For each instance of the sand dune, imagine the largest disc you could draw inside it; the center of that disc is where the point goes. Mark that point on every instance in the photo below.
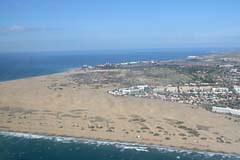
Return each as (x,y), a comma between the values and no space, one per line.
(54,104)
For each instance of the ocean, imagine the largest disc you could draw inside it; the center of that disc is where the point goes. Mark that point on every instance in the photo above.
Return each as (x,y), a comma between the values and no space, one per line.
(20,146)
(22,65)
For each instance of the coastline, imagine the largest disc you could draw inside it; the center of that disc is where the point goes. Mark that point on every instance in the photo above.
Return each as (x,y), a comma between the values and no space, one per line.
(69,68)
(59,104)
(141,147)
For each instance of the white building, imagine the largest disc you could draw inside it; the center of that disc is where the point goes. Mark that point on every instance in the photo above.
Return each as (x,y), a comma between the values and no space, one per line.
(220,90)
(172,89)
(133,90)
(195,89)
(124,91)
(226,110)
(138,89)
(133,62)
(237,89)
(159,89)
(143,87)
(226,66)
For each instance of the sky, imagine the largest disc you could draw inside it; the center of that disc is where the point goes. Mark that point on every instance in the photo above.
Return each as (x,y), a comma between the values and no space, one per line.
(52,25)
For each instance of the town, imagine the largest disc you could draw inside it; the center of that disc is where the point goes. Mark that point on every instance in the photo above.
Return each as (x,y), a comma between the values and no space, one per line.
(210,82)
(214,86)
(201,95)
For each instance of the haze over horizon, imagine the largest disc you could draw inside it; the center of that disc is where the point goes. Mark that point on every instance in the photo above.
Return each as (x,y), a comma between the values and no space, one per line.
(87,25)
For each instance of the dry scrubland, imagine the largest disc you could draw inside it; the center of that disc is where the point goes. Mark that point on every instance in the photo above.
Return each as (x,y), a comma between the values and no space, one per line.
(75,103)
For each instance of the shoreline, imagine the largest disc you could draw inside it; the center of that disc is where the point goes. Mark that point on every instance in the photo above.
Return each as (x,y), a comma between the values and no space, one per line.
(203,54)
(41,75)
(43,113)
(79,67)
(142,147)
(75,103)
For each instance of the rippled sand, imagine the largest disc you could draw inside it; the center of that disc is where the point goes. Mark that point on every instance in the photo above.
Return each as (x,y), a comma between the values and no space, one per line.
(55,105)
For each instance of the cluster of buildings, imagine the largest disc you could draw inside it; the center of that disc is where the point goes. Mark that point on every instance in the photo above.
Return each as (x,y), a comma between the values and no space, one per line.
(199,95)
(230,74)
(124,64)
(139,90)
(217,84)
(191,89)
(202,95)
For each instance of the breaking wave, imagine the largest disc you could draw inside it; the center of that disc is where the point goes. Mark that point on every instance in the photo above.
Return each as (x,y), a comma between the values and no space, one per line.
(123,146)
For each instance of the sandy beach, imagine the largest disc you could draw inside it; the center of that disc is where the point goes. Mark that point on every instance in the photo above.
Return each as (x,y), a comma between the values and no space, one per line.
(57,105)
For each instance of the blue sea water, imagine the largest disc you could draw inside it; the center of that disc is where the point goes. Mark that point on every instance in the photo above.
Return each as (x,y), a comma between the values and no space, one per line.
(21,65)
(18,146)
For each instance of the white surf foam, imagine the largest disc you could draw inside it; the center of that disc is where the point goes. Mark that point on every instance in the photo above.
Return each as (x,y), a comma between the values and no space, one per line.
(121,145)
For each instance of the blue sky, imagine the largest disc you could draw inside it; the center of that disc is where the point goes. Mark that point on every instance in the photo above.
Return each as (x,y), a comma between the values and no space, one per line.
(46,25)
